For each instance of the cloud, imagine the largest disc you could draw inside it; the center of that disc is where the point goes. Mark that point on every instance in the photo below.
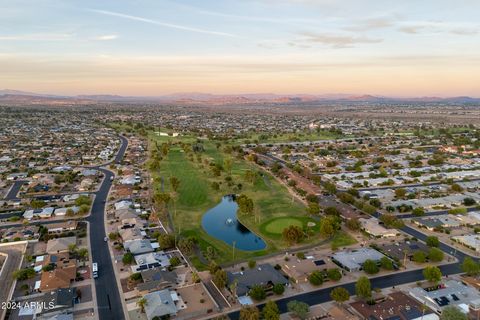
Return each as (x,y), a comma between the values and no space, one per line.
(106,37)
(372,23)
(433,27)
(332,40)
(37,37)
(163,24)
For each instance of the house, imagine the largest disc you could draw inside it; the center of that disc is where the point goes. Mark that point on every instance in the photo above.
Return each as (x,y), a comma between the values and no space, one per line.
(352,260)
(40,213)
(263,275)
(131,180)
(60,212)
(471,241)
(57,301)
(450,293)
(151,260)
(60,277)
(156,279)
(161,304)
(401,250)
(60,244)
(60,227)
(441,221)
(138,246)
(129,234)
(396,305)
(123,204)
(373,228)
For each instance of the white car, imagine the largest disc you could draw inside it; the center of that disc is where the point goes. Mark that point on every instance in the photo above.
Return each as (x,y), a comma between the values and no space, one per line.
(105,239)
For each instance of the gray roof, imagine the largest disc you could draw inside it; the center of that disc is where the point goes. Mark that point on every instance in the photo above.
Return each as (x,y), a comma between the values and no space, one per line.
(353,260)
(138,246)
(263,275)
(159,303)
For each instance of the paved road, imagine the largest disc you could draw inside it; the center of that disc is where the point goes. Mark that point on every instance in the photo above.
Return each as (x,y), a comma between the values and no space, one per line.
(12,193)
(12,263)
(430,214)
(108,297)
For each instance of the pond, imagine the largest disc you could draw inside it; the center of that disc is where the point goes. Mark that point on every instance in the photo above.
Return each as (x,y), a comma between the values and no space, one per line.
(221,222)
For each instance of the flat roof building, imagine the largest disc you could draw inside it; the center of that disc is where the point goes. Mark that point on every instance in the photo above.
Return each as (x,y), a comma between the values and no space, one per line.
(353,260)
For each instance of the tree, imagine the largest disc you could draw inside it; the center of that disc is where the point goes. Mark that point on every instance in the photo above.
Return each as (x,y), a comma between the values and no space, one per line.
(298,309)
(432,241)
(128,258)
(469,201)
(313,208)
(84,208)
(370,266)
(452,313)
(316,278)
(82,253)
(456,187)
(227,164)
(175,184)
(419,211)
(24,274)
(292,234)
(245,204)
(175,261)
(331,211)
(257,293)
(278,288)
(186,245)
(142,303)
(386,263)
(220,278)
(432,274)
(195,277)
(252,264)
(340,294)
(353,224)
(37,204)
(435,255)
(271,311)
(470,267)
(213,267)
(400,192)
(249,313)
(390,221)
(334,274)
(81,200)
(363,288)
(419,256)
(166,241)
(161,200)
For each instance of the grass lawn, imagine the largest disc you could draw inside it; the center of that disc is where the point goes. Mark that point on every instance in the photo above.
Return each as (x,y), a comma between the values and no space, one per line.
(342,239)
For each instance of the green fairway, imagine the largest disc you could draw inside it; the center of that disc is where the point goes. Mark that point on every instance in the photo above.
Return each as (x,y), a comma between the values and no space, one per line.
(275,226)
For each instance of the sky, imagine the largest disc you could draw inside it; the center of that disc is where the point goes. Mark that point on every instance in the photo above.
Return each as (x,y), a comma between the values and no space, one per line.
(156,47)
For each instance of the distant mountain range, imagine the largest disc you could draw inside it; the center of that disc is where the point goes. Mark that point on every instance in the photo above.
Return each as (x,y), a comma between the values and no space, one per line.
(17,97)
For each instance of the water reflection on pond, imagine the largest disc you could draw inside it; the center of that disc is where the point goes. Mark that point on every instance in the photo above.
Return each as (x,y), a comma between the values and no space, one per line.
(221,222)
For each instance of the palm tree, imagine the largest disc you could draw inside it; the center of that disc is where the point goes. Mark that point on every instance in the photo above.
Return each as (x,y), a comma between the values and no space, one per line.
(142,303)
(175,184)
(233,287)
